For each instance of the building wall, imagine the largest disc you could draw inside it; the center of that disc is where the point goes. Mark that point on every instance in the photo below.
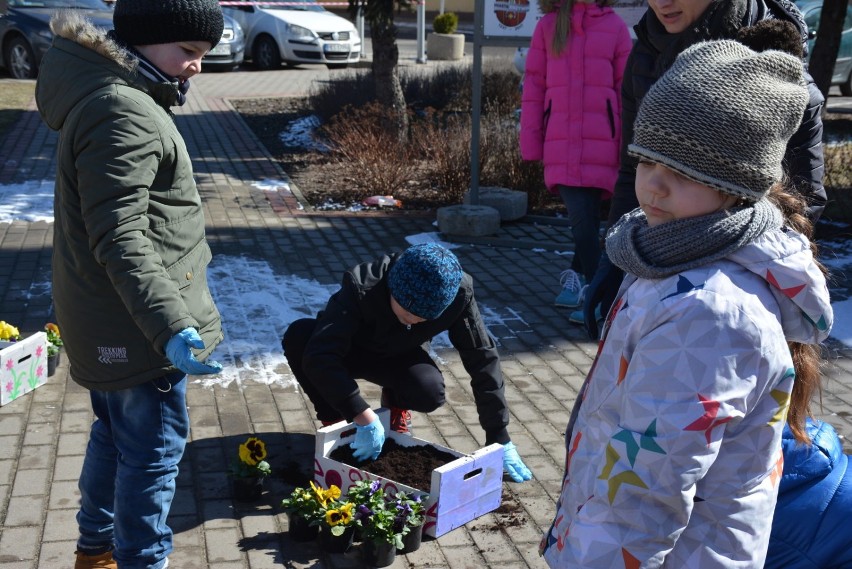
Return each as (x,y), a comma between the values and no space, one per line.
(630,10)
(457,6)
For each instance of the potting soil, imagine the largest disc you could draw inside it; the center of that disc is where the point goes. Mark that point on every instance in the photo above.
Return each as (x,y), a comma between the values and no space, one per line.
(411,466)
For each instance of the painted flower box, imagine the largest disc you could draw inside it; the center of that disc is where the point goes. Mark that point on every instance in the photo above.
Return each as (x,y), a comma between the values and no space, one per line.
(461,491)
(23,366)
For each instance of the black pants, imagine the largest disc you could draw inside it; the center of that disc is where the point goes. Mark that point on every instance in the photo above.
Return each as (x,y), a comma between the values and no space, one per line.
(410,380)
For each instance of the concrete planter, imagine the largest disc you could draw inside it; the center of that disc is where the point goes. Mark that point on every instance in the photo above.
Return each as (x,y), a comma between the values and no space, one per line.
(445,46)
(468,220)
(511,204)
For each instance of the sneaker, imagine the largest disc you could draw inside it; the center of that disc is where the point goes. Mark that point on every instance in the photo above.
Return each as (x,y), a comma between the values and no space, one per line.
(400,419)
(102,561)
(573,289)
(577,316)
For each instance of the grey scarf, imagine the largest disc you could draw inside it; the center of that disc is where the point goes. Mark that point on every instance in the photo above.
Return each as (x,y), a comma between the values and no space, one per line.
(676,246)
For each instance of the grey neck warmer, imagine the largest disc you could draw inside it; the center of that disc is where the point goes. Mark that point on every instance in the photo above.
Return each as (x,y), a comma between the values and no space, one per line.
(676,246)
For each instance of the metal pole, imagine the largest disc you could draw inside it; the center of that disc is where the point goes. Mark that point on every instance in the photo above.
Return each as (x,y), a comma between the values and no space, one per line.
(442,7)
(421,32)
(359,24)
(476,103)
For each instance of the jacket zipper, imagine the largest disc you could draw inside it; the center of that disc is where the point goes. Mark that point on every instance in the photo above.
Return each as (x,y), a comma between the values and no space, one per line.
(546,119)
(611,117)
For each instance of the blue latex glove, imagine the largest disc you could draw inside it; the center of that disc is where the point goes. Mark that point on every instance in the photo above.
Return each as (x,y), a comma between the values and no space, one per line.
(513,464)
(179,352)
(368,441)
(601,292)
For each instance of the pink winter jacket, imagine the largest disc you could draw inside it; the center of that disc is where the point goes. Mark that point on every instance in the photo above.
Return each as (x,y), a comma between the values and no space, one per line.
(571,103)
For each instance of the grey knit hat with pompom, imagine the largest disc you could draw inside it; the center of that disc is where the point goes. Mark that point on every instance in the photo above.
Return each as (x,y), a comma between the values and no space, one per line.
(722,116)
(149,22)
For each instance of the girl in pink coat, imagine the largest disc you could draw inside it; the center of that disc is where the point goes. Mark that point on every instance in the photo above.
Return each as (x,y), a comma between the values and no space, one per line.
(571,119)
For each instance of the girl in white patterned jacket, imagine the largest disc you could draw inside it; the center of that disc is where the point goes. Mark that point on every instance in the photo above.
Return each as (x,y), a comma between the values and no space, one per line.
(674,444)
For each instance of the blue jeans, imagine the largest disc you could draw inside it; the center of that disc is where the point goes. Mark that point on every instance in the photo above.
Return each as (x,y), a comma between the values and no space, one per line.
(584,216)
(128,478)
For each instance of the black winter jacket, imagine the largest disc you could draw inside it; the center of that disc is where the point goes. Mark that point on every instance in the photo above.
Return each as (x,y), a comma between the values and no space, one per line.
(656,50)
(359,317)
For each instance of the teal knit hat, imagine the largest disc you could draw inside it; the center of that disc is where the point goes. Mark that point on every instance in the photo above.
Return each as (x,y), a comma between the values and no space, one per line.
(425,279)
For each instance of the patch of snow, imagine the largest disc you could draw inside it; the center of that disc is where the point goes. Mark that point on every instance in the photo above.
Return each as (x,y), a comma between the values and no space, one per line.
(29,201)
(270,185)
(300,134)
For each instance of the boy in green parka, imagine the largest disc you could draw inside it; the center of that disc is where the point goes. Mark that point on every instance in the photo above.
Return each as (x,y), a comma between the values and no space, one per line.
(129,260)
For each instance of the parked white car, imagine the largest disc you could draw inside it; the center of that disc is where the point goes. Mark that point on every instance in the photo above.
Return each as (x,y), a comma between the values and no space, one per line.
(293,34)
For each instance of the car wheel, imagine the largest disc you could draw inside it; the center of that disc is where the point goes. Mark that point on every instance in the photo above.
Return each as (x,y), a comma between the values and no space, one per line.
(337,65)
(265,54)
(20,60)
(846,86)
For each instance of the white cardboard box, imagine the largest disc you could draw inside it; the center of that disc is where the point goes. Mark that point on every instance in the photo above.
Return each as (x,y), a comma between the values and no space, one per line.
(23,366)
(461,491)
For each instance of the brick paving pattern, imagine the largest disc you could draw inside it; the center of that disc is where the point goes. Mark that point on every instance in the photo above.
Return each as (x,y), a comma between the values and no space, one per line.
(43,434)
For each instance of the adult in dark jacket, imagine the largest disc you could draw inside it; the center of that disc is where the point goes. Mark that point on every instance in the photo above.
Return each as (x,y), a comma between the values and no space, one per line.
(378,327)
(666,29)
(129,261)
(810,529)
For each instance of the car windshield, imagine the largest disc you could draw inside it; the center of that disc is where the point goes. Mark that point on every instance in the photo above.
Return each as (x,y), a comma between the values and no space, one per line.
(310,5)
(54,4)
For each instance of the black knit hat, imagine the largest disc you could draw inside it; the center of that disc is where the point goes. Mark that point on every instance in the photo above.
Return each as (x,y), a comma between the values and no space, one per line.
(148,22)
(425,279)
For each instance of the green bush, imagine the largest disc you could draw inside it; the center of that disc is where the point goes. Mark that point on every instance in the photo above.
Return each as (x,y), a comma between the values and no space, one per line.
(446,23)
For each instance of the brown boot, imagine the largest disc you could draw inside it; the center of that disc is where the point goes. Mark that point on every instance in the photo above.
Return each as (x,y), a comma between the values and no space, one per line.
(102,561)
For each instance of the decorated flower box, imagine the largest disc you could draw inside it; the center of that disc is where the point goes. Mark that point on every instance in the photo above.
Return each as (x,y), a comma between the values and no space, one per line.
(23,366)
(460,491)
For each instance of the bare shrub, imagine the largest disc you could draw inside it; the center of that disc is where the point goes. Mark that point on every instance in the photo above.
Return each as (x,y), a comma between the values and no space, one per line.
(838,165)
(442,141)
(446,88)
(838,181)
(503,165)
(501,90)
(450,88)
(439,149)
(378,162)
(328,98)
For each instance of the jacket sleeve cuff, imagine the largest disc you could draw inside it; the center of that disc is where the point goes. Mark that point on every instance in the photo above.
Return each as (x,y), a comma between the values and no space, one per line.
(500,436)
(353,405)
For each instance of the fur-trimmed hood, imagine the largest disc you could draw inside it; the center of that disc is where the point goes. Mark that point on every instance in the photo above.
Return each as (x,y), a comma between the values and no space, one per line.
(84,60)
(74,26)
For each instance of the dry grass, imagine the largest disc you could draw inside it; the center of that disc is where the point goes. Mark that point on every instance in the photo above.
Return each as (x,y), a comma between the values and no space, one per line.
(15,97)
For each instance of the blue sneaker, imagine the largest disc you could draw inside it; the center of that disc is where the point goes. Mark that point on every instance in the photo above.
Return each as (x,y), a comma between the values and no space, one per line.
(577,317)
(573,287)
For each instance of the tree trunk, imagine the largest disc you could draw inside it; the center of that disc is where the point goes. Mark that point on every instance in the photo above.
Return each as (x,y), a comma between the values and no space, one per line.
(827,43)
(386,77)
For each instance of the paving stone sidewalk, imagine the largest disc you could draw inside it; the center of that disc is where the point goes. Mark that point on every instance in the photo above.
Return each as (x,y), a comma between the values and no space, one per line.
(43,434)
